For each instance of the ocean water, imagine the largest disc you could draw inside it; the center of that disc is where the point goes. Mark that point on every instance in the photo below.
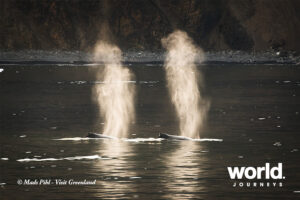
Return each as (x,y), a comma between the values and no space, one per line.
(48,109)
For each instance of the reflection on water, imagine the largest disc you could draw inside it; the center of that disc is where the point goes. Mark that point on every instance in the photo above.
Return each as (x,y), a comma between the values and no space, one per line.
(46,112)
(117,171)
(183,171)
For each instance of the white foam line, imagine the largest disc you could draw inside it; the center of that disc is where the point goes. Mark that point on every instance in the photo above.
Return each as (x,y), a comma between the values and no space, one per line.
(74,138)
(84,138)
(160,139)
(297,191)
(90,64)
(135,177)
(57,159)
(138,139)
(114,82)
(142,139)
(66,64)
(208,140)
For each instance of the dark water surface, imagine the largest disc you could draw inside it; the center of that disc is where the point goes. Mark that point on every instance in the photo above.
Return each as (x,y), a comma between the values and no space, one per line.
(255,109)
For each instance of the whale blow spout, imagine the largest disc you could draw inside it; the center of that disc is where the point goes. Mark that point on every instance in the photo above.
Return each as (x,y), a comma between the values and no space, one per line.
(184,79)
(173,137)
(115,96)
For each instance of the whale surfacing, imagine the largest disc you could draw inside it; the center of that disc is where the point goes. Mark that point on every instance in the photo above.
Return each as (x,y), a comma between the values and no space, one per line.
(173,137)
(99,136)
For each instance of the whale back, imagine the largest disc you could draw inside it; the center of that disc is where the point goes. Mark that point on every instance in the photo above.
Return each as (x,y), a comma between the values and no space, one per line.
(96,135)
(163,135)
(173,137)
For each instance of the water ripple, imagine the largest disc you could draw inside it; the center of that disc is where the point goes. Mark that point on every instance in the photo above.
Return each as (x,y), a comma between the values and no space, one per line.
(93,157)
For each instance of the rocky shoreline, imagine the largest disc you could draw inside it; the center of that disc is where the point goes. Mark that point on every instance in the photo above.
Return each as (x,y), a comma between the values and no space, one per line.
(82,58)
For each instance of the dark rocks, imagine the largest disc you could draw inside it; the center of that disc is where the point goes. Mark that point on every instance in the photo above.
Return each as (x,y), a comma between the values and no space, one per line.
(248,25)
